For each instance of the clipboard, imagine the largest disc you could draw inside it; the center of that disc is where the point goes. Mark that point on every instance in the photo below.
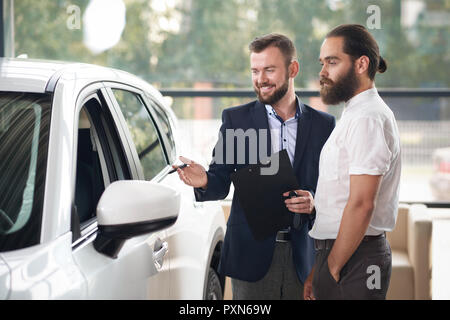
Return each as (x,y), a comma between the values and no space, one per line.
(261,195)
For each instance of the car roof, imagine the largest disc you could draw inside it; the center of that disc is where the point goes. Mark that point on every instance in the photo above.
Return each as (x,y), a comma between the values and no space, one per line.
(32,75)
(27,75)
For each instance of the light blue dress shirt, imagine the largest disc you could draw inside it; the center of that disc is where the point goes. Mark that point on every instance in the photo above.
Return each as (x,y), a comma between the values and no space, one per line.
(283,133)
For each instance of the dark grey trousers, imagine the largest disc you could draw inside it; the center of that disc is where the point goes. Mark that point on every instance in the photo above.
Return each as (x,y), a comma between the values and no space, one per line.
(280,282)
(365,276)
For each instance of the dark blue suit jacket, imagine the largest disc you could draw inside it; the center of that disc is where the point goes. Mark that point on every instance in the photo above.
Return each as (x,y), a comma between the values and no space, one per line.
(243,257)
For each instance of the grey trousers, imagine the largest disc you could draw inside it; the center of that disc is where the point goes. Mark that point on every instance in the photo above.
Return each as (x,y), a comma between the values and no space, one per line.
(365,276)
(280,282)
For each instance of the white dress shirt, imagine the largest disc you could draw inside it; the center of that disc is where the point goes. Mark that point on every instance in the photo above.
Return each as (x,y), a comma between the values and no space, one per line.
(365,142)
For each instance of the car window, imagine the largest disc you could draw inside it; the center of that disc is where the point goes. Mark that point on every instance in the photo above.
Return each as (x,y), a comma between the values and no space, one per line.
(89,183)
(143,132)
(165,128)
(100,157)
(24,130)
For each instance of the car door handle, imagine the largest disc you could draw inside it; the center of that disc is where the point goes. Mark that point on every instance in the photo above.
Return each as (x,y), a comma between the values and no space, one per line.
(161,248)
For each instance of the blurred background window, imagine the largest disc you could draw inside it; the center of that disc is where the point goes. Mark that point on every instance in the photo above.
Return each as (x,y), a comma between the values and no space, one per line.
(203,45)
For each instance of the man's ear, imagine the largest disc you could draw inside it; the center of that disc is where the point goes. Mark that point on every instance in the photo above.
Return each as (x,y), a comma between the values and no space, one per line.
(293,69)
(362,64)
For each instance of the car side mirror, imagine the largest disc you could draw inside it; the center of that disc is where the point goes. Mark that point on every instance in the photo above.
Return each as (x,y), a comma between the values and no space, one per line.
(130,208)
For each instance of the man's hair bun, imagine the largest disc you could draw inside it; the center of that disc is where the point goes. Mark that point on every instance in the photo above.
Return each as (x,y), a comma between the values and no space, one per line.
(382,65)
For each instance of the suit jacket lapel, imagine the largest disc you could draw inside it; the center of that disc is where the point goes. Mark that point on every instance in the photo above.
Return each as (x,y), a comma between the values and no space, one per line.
(303,130)
(260,120)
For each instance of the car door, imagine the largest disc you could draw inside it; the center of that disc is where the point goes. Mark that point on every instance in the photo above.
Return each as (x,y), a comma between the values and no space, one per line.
(150,159)
(104,156)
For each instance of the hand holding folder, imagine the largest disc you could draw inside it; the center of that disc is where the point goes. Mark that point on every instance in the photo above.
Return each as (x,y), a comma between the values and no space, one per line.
(261,195)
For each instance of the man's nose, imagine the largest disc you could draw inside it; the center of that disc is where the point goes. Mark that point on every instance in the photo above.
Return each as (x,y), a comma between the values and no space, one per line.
(262,78)
(323,72)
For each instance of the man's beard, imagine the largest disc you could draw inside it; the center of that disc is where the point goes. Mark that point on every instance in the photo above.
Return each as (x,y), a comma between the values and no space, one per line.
(276,96)
(340,91)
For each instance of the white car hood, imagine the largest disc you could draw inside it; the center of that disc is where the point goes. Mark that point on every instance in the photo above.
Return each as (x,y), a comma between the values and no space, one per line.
(5,279)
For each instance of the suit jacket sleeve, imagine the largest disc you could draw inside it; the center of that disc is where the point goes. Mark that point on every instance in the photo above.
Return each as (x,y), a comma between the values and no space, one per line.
(219,180)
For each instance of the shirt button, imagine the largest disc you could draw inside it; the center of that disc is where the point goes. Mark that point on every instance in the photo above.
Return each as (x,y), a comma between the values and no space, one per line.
(284,139)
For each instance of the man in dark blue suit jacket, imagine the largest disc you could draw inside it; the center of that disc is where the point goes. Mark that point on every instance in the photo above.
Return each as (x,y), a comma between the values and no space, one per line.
(259,269)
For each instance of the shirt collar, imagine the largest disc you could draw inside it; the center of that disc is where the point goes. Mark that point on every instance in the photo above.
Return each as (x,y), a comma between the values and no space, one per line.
(360,97)
(271,111)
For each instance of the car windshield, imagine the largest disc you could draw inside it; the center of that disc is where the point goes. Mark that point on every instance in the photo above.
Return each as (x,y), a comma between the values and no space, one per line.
(24,128)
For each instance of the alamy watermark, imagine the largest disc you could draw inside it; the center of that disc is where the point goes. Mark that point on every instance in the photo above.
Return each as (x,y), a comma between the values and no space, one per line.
(73,22)
(374,20)
(246,147)
(374,280)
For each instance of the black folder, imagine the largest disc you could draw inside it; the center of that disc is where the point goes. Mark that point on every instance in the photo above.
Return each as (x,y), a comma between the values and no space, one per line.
(261,195)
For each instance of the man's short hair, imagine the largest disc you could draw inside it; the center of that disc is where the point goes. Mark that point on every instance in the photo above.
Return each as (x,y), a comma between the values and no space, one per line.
(279,41)
(359,42)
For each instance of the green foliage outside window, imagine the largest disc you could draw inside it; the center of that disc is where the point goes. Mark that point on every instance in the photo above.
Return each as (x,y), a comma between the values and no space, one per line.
(210,38)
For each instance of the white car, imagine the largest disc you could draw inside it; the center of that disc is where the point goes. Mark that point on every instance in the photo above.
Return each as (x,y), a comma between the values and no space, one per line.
(87,207)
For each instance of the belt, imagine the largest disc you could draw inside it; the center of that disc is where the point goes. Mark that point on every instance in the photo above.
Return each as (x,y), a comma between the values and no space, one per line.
(327,244)
(283,236)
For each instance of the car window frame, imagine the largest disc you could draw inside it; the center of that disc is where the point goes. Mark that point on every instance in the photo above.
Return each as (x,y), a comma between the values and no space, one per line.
(89,229)
(109,86)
